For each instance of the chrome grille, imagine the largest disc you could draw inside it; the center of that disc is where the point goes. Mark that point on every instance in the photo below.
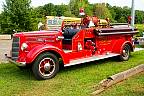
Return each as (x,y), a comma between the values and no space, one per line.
(15,48)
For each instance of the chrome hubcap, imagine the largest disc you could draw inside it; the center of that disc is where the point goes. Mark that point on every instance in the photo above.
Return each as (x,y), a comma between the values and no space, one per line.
(47,67)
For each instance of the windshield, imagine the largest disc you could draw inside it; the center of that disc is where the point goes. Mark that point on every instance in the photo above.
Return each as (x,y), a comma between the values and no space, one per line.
(54,23)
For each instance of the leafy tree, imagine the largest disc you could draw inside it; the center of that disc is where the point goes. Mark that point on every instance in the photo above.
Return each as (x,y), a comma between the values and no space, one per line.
(101,11)
(75,5)
(122,20)
(5,24)
(89,9)
(125,13)
(39,11)
(139,17)
(17,15)
(49,9)
(113,13)
(62,10)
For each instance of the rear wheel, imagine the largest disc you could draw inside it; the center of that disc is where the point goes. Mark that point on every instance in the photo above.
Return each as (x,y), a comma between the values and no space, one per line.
(45,66)
(125,54)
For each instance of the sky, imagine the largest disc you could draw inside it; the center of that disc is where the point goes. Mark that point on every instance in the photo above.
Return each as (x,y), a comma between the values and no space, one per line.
(139,4)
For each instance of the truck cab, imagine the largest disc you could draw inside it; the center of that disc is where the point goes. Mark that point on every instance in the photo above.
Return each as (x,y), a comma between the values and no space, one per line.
(69,41)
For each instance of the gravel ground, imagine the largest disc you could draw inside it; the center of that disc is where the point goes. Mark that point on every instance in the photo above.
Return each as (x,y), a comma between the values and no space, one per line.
(5,47)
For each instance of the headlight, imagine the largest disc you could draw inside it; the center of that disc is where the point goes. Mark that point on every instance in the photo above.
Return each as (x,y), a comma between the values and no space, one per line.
(24,46)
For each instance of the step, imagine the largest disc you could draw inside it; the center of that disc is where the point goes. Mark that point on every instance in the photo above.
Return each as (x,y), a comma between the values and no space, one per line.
(67,51)
(89,59)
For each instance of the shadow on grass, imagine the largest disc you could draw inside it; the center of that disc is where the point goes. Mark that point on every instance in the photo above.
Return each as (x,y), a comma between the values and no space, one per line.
(90,64)
(10,71)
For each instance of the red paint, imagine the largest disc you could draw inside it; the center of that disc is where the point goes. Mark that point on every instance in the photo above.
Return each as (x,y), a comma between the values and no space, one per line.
(85,43)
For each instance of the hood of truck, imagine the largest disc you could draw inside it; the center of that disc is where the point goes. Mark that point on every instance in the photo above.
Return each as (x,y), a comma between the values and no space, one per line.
(37,33)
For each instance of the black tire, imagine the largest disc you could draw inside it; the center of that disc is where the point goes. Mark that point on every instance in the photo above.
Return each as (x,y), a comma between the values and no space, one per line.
(125,54)
(45,66)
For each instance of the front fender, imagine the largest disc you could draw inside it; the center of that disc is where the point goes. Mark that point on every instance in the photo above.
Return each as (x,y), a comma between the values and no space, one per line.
(32,55)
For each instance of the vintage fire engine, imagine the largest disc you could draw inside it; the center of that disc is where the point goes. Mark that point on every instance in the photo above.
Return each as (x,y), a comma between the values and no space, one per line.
(70,41)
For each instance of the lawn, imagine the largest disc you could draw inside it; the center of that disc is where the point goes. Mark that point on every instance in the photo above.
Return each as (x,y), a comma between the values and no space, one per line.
(140,28)
(77,80)
(134,86)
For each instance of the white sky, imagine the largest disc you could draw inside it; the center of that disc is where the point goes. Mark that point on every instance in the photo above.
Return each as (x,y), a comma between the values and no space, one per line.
(139,4)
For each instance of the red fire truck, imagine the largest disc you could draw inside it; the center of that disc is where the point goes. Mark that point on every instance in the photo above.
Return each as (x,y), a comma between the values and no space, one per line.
(71,43)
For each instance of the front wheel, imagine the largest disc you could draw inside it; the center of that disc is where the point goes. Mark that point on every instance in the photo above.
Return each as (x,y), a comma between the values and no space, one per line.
(45,66)
(125,54)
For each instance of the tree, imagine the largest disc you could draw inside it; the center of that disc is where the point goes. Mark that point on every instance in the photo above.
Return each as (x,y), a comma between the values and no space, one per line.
(17,15)
(49,9)
(62,10)
(5,23)
(101,11)
(122,20)
(39,11)
(89,9)
(139,17)
(75,5)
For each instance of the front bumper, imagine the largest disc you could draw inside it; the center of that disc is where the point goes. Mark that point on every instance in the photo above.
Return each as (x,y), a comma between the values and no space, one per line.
(14,62)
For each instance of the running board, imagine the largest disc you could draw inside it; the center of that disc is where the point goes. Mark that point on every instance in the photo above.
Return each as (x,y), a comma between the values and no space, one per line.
(67,51)
(89,59)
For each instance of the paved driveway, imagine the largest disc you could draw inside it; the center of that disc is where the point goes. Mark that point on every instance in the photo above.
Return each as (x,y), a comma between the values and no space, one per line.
(138,49)
(5,47)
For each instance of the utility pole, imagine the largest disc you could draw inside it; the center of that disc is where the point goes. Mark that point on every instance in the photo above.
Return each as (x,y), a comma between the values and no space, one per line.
(133,13)
(105,2)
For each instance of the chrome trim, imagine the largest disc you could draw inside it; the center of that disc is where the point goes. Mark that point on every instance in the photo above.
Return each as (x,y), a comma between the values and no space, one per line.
(89,59)
(60,38)
(116,33)
(22,64)
(15,48)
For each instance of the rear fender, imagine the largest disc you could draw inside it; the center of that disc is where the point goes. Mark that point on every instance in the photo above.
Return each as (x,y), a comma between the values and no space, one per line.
(32,55)
(119,46)
(130,44)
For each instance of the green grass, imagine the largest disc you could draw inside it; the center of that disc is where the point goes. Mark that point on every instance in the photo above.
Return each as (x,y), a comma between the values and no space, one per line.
(77,80)
(140,28)
(134,86)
